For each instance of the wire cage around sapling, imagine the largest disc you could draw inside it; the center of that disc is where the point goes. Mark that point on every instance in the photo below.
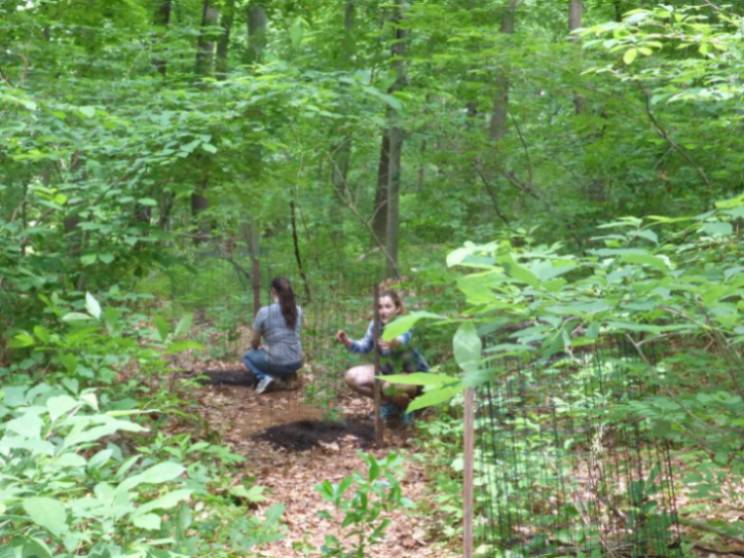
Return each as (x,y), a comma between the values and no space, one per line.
(566,469)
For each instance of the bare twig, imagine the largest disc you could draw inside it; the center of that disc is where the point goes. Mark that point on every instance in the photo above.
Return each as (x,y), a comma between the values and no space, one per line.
(665,134)
(345,197)
(524,148)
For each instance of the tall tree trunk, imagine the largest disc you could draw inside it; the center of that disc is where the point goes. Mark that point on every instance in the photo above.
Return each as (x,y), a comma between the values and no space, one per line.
(379,214)
(341,147)
(203,68)
(162,19)
(497,125)
(395,134)
(256,25)
(205,44)
(575,15)
(257,22)
(223,44)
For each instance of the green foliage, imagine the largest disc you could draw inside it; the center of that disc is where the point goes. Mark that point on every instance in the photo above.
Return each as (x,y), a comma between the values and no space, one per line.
(360,502)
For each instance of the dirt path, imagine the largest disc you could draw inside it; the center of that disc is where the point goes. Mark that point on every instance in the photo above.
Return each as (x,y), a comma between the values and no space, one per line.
(238,414)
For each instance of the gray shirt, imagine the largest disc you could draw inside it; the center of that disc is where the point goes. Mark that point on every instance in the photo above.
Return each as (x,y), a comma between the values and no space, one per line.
(283,343)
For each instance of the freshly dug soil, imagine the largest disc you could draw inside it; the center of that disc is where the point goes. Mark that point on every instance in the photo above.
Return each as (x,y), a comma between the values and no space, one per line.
(229,377)
(303,435)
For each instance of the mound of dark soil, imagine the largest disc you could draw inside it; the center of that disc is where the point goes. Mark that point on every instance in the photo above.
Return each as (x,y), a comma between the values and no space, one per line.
(235,377)
(303,435)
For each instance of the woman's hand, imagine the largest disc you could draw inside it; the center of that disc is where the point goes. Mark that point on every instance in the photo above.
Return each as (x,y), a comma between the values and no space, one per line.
(343,338)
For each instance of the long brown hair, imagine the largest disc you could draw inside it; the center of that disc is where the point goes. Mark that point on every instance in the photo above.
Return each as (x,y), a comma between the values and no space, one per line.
(283,290)
(395,297)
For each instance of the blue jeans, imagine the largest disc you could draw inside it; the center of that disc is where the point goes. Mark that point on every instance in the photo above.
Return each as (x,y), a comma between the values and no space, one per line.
(257,361)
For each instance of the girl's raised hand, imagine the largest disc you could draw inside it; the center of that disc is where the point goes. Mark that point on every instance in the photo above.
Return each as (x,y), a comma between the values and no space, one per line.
(343,338)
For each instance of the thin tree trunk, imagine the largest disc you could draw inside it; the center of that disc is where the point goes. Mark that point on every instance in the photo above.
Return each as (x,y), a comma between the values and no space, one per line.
(257,22)
(203,68)
(341,149)
(256,25)
(205,44)
(162,19)
(223,44)
(497,125)
(392,231)
(575,15)
(379,215)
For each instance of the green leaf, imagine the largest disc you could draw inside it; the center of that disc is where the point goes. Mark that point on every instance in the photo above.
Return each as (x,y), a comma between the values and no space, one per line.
(88,259)
(60,405)
(717,228)
(75,317)
(647,259)
(28,425)
(162,326)
(404,323)
(254,494)
(157,474)
(434,397)
(467,347)
(47,513)
(184,325)
(148,521)
(92,306)
(419,379)
(629,56)
(22,340)
(296,32)
(167,501)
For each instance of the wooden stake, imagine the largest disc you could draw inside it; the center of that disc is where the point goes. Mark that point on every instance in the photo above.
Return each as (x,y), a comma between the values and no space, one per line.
(468,450)
(377,385)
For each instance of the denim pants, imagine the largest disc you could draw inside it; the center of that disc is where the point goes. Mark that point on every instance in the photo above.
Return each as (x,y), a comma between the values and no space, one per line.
(257,361)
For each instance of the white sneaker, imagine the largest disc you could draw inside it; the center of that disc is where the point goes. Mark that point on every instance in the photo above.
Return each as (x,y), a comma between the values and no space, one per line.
(263,384)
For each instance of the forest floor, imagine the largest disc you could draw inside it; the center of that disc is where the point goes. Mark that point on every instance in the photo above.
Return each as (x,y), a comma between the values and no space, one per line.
(289,449)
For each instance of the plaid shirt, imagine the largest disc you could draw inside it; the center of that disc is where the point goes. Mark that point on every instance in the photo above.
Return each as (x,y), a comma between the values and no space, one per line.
(402,358)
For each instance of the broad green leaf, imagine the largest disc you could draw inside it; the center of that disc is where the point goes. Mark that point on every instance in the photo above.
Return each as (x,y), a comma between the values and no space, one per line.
(22,340)
(648,234)
(81,435)
(92,306)
(166,502)
(522,274)
(717,228)
(60,405)
(647,259)
(149,521)
(88,259)
(157,474)
(404,323)
(28,424)
(467,347)
(47,513)
(434,397)
(629,56)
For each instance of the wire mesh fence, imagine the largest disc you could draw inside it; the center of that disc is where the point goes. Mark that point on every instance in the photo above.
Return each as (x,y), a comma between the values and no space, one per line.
(565,467)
